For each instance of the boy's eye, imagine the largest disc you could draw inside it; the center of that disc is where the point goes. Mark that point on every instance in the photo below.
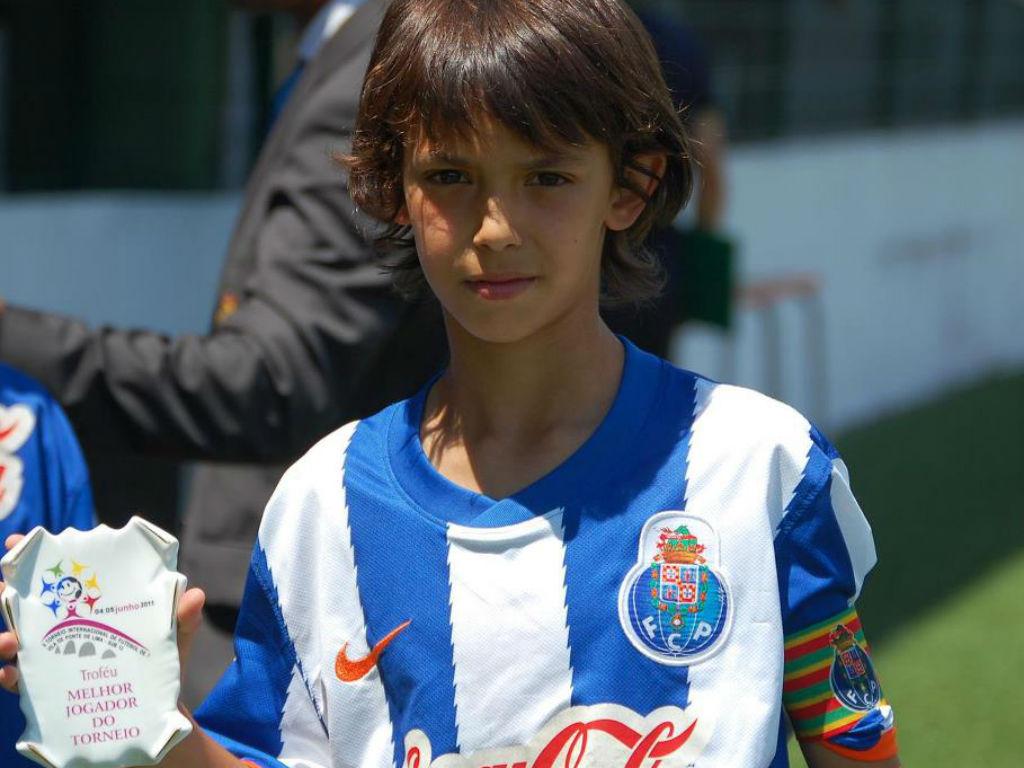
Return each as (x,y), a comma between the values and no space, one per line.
(448,177)
(548,179)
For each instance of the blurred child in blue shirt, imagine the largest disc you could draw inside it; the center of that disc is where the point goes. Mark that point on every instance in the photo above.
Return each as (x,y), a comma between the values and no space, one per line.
(43,481)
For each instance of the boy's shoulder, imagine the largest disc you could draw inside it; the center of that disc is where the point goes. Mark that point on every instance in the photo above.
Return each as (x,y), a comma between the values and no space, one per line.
(740,433)
(742,415)
(748,415)
(26,408)
(735,428)
(330,460)
(320,483)
(17,388)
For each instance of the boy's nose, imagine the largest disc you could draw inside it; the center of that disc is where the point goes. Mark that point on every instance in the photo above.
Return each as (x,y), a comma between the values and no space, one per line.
(496,231)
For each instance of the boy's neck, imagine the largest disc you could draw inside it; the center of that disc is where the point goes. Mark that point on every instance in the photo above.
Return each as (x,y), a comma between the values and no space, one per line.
(505,415)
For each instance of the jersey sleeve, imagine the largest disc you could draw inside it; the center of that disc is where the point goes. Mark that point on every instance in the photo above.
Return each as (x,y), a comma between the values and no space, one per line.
(261,710)
(824,550)
(43,476)
(75,508)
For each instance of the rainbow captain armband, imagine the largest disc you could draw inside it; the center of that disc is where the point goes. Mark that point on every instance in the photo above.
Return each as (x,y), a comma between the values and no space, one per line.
(832,693)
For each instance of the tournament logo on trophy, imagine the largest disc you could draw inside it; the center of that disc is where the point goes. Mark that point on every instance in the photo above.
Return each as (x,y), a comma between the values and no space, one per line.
(674,605)
(72,595)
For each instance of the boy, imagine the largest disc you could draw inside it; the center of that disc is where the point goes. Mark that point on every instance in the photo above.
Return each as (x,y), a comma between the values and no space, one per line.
(43,481)
(563,551)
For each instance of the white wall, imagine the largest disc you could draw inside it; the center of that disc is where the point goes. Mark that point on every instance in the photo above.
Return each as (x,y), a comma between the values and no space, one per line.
(125,259)
(918,241)
(916,238)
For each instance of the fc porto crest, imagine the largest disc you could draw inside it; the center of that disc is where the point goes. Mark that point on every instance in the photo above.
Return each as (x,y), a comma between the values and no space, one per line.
(674,605)
(852,677)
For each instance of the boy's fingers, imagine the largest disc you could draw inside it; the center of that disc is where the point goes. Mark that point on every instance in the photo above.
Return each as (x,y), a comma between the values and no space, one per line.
(8,647)
(9,678)
(12,541)
(190,616)
(8,650)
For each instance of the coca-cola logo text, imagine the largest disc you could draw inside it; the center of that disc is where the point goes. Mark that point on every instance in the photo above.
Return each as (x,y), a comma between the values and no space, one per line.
(582,737)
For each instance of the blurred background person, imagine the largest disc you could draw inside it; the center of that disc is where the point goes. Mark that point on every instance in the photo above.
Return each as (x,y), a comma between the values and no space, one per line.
(696,258)
(306,335)
(874,163)
(43,481)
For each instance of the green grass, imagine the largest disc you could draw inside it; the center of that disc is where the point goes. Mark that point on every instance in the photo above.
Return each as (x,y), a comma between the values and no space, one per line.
(942,486)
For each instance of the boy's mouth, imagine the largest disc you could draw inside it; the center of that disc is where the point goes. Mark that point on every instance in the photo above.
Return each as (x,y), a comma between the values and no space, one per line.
(499,286)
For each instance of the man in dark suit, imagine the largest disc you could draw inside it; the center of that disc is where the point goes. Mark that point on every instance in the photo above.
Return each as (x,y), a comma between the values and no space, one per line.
(307,335)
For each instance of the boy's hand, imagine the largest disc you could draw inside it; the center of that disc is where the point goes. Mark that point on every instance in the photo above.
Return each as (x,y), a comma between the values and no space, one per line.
(8,643)
(198,750)
(190,616)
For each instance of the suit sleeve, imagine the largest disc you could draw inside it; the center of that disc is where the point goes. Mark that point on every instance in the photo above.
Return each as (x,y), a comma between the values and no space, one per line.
(265,383)
(297,354)
(261,710)
(824,550)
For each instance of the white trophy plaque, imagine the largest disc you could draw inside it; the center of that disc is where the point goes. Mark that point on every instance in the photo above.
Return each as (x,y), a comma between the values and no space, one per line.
(95,617)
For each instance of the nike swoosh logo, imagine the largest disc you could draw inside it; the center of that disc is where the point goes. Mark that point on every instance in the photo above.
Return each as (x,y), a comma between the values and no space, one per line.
(348,670)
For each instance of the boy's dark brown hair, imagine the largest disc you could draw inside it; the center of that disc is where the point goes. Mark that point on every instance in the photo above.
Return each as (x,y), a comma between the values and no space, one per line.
(552,71)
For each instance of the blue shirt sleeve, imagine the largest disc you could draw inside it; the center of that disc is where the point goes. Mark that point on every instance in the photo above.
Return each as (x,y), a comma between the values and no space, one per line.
(824,550)
(44,473)
(76,509)
(244,712)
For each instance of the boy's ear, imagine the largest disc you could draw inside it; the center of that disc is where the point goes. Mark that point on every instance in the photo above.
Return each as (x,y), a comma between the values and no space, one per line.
(402,217)
(627,205)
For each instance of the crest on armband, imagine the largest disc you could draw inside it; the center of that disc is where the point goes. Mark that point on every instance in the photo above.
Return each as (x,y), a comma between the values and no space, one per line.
(852,676)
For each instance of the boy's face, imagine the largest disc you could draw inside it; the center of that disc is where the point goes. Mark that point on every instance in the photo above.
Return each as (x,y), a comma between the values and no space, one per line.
(510,236)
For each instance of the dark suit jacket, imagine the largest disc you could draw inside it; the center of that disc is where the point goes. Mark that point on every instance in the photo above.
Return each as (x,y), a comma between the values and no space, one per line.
(309,334)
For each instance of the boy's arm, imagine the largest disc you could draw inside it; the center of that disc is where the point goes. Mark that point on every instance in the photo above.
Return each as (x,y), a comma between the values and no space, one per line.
(262,710)
(824,550)
(199,750)
(818,756)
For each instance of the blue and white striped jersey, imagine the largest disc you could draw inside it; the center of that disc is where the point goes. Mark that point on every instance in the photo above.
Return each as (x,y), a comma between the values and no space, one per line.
(627,609)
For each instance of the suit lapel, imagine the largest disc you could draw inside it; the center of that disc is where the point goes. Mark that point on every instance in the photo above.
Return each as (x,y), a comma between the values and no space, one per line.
(354,36)
(350,40)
